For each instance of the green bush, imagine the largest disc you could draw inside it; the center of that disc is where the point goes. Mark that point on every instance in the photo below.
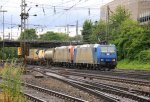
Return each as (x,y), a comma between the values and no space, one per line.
(11,85)
(144,56)
(135,65)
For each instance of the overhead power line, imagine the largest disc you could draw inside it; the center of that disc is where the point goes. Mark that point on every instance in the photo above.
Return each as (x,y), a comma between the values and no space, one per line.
(58,10)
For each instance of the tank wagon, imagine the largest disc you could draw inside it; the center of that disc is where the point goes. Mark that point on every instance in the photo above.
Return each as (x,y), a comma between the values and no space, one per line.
(41,58)
(89,56)
(49,55)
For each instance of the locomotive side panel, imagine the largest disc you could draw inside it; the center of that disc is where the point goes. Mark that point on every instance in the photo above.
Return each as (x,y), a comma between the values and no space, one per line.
(84,54)
(61,54)
(96,52)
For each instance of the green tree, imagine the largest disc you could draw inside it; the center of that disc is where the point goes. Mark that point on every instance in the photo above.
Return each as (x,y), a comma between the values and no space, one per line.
(76,38)
(121,14)
(48,36)
(98,32)
(131,38)
(28,34)
(116,19)
(120,29)
(128,38)
(87,31)
(9,53)
(141,43)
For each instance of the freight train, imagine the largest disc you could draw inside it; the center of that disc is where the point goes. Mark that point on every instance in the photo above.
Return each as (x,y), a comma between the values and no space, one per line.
(88,56)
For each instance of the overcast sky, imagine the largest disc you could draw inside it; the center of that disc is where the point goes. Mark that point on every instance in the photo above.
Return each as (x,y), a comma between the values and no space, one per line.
(51,14)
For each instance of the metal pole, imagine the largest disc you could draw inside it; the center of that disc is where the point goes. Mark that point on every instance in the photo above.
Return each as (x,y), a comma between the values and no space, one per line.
(11,28)
(107,24)
(67,29)
(27,22)
(24,16)
(3,34)
(77,28)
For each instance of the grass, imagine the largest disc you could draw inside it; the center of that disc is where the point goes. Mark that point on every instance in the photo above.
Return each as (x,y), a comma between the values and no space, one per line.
(135,65)
(11,89)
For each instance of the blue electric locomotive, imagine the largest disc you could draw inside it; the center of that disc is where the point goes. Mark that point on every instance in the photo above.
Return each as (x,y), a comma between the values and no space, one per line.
(108,56)
(95,56)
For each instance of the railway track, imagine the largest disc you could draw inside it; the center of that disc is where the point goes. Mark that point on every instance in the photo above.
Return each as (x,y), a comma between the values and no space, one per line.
(125,74)
(53,93)
(103,76)
(131,81)
(129,74)
(144,75)
(103,95)
(92,91)
(33,98)
(138,92)
(115,90)
(109,78)
(111,90)
(136,95)
(105,90)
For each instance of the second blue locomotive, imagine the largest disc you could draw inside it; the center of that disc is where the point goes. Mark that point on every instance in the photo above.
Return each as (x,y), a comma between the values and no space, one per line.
(95,56)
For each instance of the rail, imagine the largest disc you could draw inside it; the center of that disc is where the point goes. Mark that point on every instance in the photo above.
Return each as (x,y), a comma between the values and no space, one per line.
(33,98)
(111,78)
(54,93)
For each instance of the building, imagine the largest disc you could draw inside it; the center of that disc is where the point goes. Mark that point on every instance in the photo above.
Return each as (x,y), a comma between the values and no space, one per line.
(139,9)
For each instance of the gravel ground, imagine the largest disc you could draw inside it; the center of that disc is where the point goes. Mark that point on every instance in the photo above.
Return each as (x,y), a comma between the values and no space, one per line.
(59,86)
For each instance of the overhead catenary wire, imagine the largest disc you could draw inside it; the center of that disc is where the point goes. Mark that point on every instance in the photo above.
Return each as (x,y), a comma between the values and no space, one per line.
(61,14)
(59,10)
(60,3)
(56,7)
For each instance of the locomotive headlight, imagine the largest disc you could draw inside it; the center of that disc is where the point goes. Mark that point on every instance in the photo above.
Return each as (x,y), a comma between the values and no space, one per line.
(114,60)
(108,54)
(102,59)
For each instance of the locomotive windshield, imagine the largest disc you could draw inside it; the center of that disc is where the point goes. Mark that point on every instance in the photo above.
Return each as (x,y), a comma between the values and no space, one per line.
(108,49)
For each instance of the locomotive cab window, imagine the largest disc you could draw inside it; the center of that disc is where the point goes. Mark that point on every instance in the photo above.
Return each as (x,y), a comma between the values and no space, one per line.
(95,49)
(108,49)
